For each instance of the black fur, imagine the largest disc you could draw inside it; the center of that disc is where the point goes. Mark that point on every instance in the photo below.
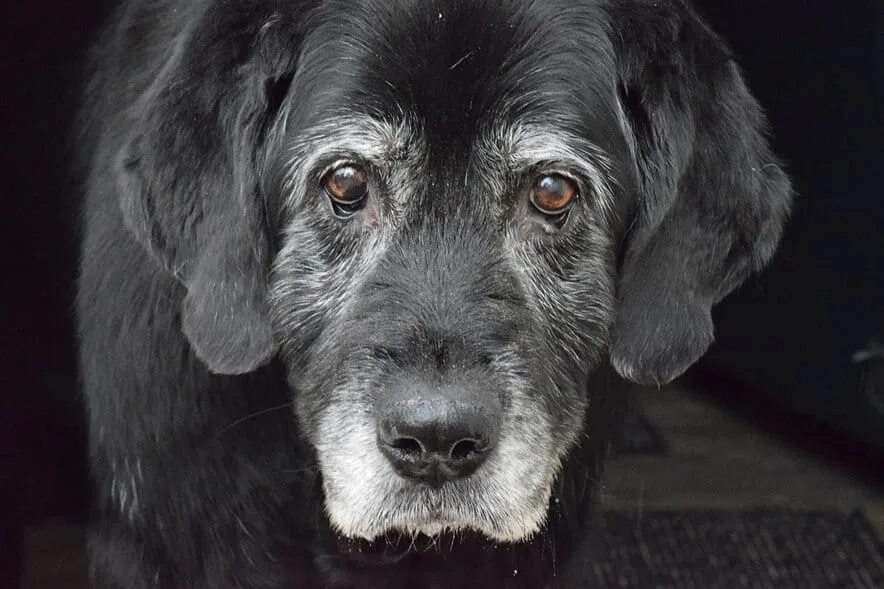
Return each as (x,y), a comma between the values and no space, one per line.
(189,281)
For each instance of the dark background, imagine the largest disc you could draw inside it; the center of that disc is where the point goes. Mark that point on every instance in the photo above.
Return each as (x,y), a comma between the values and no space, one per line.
(786,338)
(818,68)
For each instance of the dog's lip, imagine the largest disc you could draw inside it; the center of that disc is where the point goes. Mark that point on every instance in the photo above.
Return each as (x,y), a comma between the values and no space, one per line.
(400,536)
(394,546)
(396,543)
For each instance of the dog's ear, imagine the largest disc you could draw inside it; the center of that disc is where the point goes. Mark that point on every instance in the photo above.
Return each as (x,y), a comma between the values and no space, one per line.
(712,197)
(189,179)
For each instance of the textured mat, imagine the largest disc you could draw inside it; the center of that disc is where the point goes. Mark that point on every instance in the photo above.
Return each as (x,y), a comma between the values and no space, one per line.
(735,549)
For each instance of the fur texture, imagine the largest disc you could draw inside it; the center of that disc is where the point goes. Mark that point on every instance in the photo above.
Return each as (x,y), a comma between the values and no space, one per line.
(237,336)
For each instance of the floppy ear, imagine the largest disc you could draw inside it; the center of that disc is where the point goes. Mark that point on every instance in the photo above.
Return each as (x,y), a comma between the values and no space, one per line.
(712,197)
(188,176)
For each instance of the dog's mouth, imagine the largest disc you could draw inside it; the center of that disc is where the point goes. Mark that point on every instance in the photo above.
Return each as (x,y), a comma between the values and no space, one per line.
(428,537)
(394,546)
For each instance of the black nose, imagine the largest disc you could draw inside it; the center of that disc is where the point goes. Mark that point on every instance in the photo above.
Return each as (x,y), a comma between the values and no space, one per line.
(437,438)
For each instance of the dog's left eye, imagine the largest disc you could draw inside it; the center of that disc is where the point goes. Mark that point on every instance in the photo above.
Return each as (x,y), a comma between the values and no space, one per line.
(346,187)
(553,194)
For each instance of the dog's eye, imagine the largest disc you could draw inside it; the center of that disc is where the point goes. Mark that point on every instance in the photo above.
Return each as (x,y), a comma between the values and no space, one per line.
(553,194)
(347,187)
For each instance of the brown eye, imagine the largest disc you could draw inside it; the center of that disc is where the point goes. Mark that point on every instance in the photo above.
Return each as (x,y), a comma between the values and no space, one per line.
(552,194)
(347,187)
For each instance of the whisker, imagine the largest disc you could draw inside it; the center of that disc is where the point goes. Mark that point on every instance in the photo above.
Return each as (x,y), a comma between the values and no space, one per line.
(253,415)
(432,544)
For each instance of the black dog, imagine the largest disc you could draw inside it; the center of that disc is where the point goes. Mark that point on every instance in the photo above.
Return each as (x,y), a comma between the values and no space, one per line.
(354,272)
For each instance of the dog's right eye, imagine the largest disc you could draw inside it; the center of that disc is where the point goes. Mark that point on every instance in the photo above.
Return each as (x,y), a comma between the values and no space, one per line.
(553,194)
(346,187)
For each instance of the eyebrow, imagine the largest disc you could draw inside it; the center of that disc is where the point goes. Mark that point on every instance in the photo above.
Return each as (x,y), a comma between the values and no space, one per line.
(368,137)
(522,146)
(345,136)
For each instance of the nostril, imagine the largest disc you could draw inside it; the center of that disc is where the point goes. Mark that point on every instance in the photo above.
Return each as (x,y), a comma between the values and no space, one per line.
(436,436)
(465,449)
(408,447)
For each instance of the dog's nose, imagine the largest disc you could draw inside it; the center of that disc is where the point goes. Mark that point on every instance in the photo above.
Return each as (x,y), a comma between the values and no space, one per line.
(435,439)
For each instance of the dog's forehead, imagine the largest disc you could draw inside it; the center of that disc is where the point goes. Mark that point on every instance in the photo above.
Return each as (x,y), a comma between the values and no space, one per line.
(456,66)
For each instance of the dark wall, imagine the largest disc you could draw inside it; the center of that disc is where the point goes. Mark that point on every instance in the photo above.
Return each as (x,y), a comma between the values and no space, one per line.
(818,68)
(41,441)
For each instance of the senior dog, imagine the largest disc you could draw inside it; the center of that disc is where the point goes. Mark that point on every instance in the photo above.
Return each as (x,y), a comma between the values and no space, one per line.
(357,277)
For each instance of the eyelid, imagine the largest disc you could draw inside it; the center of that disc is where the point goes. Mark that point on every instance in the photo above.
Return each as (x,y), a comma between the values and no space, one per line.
(338,163)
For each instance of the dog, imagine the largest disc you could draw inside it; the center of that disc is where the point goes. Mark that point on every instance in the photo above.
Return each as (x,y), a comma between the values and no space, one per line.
(359,278)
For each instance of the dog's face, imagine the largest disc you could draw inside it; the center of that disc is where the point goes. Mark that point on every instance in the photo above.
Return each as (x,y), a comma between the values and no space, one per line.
(472,262)
(445,216)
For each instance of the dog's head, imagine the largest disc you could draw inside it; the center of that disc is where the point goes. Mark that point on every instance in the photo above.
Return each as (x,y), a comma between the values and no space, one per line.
(444,216)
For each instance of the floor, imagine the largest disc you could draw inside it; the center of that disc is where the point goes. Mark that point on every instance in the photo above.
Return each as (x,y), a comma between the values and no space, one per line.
(716,458)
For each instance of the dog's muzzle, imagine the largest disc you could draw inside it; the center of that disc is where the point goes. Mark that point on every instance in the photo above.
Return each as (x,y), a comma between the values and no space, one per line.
(433,433)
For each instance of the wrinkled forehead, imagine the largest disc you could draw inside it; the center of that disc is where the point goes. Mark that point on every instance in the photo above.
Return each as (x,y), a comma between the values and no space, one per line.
(452,74)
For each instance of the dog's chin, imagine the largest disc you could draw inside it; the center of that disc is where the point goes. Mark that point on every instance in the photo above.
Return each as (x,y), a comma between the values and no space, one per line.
(432,529)
(442,537)
(494,507)
(446,526)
